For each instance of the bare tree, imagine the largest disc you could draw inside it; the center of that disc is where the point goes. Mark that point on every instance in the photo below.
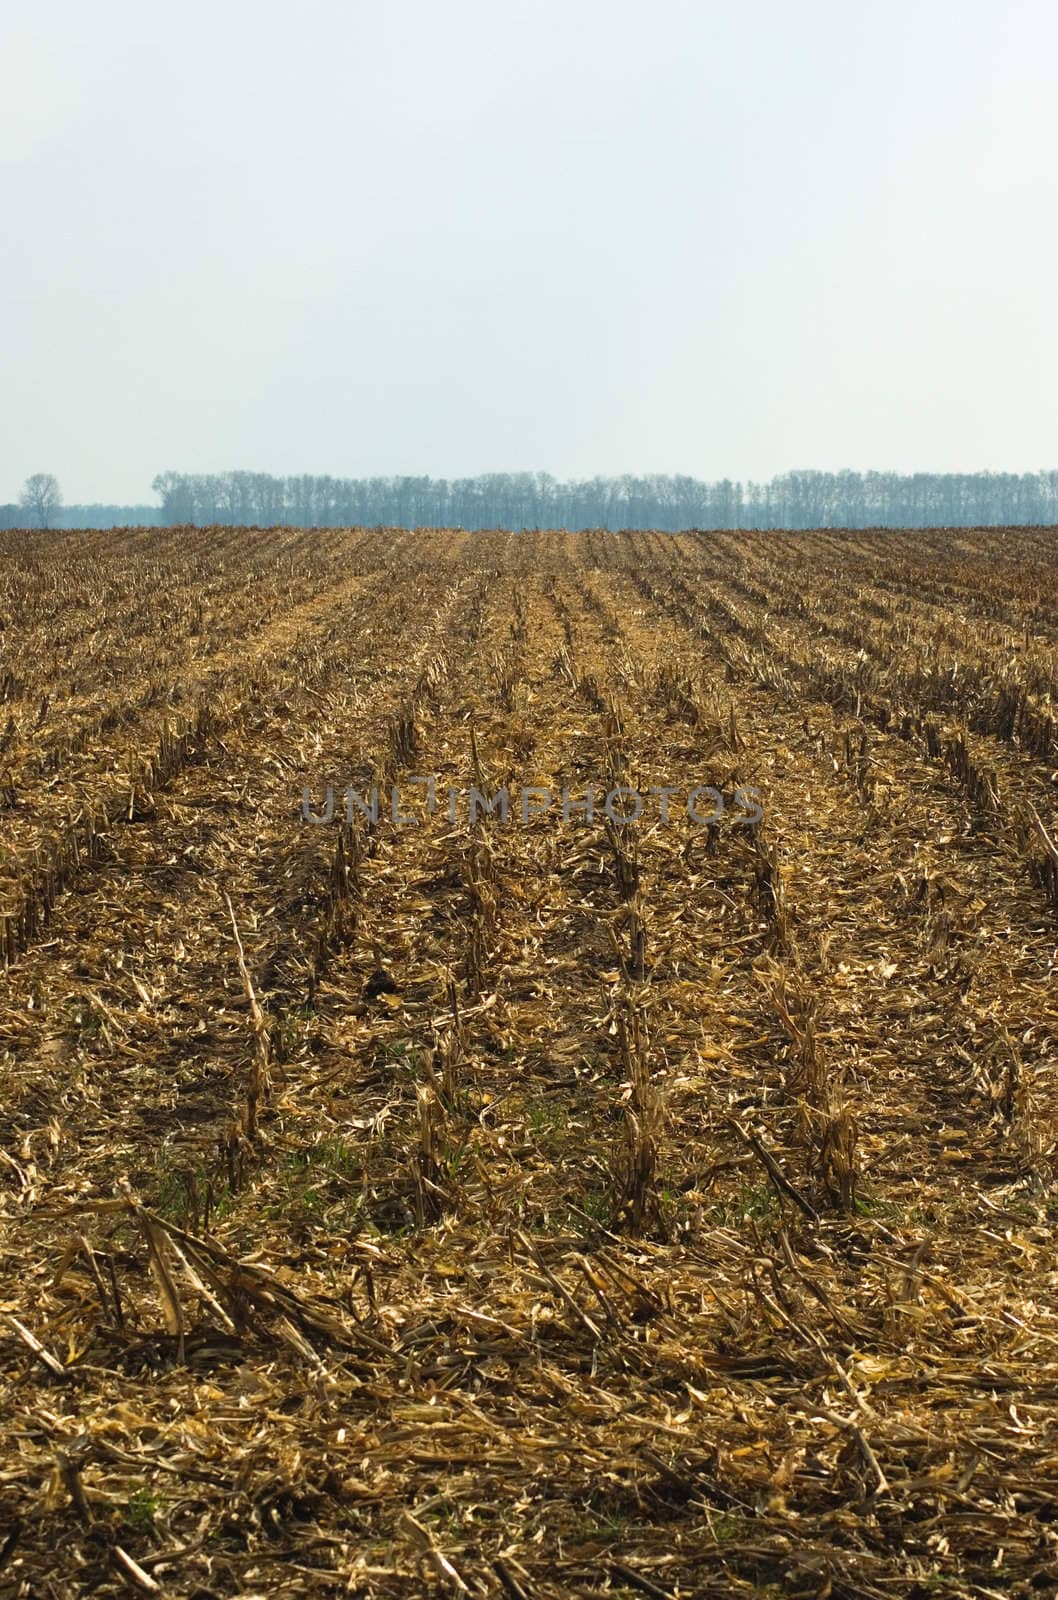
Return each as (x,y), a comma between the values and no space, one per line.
(42,497)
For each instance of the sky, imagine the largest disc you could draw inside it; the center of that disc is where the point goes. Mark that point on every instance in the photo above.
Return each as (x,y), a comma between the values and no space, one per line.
(574,236)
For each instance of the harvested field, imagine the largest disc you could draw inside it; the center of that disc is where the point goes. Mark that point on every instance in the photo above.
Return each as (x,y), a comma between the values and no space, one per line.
(550,1205)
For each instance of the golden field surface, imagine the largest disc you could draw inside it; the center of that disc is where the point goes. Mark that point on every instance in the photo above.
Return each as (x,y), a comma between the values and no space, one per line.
(549,1206)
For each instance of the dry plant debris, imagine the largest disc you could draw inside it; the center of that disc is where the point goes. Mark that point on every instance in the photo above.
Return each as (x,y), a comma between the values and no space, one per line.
(536,1207)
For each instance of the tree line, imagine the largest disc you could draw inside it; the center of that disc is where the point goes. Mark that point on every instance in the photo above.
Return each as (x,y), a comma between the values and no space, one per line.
(82,516)
(536,500)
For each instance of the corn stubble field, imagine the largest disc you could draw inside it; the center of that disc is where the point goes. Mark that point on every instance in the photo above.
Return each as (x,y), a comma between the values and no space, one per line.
(534,1210)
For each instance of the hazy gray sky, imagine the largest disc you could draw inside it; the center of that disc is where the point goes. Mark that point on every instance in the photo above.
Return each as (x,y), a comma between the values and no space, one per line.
(453,236)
